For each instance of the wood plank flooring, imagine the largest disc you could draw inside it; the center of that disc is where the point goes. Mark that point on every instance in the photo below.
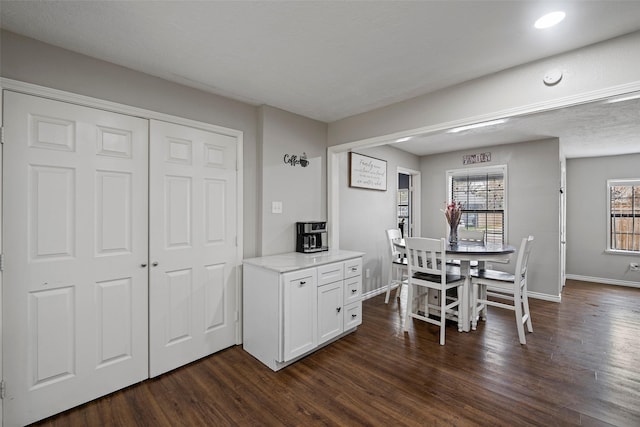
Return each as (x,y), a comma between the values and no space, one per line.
(581,366)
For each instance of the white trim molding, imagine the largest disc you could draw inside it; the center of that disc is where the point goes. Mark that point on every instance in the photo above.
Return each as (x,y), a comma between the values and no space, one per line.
(627,283)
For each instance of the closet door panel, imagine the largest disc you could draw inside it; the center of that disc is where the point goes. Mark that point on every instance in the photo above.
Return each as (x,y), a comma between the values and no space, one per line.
(75,220)
(192,244)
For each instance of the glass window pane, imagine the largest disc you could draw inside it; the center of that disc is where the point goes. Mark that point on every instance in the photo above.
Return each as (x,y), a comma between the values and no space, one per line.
(624,224)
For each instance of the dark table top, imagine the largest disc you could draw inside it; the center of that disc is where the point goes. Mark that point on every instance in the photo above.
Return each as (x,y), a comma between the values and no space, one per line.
(484,249)
(474,248)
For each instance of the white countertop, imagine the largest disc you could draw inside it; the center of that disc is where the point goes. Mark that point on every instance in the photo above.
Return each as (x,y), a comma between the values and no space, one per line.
(292,261)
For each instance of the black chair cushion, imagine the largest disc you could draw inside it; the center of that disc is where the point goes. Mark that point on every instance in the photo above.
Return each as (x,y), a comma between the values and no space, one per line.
(435,277)
(492,275)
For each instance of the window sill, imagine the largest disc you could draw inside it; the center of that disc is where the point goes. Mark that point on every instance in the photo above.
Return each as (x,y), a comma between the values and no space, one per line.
(621,252)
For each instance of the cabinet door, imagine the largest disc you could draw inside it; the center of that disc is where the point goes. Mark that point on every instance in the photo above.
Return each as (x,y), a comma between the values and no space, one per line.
(299,313)
(329,311)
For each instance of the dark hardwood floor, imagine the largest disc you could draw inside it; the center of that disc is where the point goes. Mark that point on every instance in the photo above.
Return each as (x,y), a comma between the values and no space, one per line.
(581,366)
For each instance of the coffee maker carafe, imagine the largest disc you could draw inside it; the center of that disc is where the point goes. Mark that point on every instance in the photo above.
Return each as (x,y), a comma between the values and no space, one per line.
(310,236)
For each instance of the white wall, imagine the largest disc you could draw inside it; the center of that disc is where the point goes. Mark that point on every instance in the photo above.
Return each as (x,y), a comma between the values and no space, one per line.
(605,65)
(366,214)
(533,202)
(35,62)
(302,190)
(587,219)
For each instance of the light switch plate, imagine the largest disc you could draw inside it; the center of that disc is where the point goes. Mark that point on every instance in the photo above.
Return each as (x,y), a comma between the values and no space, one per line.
(276,207)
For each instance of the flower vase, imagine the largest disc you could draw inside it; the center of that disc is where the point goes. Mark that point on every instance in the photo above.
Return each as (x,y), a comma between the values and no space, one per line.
(453,235)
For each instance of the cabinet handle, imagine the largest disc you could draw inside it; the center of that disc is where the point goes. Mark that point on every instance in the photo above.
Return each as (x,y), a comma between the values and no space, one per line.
(143,265)
(354,268)
(302,283)
(353,291)
(353,316)
(338,309)
(155,263)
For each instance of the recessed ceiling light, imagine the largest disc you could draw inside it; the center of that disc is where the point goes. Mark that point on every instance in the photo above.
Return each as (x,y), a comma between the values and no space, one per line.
(405,139)
(477,125)
(550,19)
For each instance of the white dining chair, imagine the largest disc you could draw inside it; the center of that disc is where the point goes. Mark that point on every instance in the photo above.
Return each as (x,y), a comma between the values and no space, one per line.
(398,267)
(491,285)
(428,270)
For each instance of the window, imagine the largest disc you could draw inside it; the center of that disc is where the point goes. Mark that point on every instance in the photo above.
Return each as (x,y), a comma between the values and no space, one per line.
(482,193)
(624,215)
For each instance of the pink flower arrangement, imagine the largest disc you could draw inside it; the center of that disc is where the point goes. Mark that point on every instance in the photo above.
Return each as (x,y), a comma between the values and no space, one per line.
(453,213)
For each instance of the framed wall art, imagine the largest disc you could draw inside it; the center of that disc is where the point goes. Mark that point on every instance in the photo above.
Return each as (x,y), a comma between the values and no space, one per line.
(367,172)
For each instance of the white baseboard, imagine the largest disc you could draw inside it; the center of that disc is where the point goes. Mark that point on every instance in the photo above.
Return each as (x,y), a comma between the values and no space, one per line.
(545,297)
(603,280)
(374,293)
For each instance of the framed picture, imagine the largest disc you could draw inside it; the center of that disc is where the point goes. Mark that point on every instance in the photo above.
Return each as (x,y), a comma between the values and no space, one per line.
(367,172)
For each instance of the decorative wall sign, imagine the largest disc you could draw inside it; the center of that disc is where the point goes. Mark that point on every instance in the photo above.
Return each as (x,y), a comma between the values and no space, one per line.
(367,172)
(293,159)
(470,159)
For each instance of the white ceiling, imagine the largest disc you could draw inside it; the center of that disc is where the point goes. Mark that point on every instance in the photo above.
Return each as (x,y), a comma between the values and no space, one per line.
(589,130)
(323,59)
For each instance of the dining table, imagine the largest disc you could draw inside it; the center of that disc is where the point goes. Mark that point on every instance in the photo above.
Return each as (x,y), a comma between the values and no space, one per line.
(465,252)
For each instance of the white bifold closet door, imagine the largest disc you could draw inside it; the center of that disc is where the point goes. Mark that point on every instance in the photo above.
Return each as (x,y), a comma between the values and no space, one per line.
(75,296)
(192,223)
(120,251)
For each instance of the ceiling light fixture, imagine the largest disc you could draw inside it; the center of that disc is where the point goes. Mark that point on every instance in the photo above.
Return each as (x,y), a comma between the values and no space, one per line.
(477,125)
(549,20)
(405,139)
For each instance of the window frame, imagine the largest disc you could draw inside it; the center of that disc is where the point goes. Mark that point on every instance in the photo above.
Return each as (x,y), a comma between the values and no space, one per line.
(612,183)
(484,170)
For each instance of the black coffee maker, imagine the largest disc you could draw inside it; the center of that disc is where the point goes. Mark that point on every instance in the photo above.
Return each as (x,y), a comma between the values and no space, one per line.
(311,236)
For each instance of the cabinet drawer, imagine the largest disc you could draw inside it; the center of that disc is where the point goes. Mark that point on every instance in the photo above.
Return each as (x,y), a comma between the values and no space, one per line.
(353,267)
(352,315)
(330,273)
(352,289)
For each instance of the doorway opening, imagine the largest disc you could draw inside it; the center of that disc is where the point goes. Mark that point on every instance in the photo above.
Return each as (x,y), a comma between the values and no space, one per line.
(408,200)
(404,205)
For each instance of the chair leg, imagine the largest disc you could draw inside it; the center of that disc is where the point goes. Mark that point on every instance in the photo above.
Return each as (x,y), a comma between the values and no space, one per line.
(443,303)
(389,283)
(483,297)
(408,308)
(525,303)
(399,288)
(519,319)
(474,306)
(460,307)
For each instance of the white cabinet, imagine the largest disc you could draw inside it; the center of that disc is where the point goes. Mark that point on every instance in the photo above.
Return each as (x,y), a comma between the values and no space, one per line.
(299,317)
(289,311)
